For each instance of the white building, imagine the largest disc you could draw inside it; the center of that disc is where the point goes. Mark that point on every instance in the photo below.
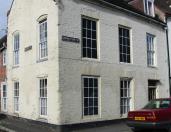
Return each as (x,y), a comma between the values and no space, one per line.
(76,61)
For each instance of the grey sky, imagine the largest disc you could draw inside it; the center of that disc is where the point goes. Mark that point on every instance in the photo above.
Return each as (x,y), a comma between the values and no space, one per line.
(4,7)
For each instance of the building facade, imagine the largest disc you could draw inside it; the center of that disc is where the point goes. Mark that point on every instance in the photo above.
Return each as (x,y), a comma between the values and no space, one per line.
(3,78)
(82,61)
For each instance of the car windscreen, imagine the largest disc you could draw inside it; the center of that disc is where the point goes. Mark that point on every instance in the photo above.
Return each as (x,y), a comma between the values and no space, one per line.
(158,104)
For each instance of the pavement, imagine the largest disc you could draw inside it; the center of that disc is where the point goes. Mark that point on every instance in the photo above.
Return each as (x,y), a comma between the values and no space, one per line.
(11,124)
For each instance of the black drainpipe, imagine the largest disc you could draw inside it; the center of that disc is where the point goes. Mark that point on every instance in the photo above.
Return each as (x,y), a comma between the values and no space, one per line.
(168,53)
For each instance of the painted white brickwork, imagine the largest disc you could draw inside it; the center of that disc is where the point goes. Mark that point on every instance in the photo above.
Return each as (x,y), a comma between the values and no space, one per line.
(65,66)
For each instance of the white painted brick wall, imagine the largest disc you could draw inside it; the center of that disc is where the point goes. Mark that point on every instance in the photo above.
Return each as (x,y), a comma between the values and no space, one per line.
(65,65)
(72,66)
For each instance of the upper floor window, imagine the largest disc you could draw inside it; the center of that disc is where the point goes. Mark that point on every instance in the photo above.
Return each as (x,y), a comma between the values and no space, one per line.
(89,38)
(151,52)
(4,57)
(124,45)
(16,48)
(149,7)
(43,49)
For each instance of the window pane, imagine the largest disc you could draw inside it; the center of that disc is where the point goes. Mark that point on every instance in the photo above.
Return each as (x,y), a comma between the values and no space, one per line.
(86,92)
(90,82)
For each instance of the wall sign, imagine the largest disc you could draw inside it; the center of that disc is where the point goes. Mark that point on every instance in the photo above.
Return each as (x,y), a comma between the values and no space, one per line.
(28,48)
(70,39)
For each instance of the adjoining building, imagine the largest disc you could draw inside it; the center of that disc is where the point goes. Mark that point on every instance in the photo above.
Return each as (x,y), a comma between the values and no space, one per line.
(165,6)
(77,61)
(3,78)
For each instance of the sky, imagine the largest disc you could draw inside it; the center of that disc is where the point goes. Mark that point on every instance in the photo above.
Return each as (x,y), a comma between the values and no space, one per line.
(4,7)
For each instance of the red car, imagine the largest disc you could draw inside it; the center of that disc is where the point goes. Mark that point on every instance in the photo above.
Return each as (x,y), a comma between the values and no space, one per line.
(155,115)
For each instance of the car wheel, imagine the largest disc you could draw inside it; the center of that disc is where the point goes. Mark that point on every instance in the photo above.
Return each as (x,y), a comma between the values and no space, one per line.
(169,129)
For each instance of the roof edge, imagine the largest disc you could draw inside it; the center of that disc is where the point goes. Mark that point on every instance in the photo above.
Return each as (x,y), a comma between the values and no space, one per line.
(136,13)
(10,8)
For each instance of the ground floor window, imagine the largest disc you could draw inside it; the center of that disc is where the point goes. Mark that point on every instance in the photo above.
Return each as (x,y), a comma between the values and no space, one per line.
(43,97)
(152,88)
(16,96)
(4,97)
(125,96)
(90,96)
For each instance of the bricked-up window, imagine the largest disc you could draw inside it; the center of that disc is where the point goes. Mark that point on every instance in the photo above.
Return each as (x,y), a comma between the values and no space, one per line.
(90,95)
(4,57)
(152,88)
(43,49)
(43,97)
(124,45)
(89,38)
(150,50)
(16,48)
(125,95)
(16,96)
(4,97)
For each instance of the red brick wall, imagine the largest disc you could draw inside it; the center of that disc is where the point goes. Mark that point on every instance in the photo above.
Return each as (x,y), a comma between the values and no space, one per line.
(139,4)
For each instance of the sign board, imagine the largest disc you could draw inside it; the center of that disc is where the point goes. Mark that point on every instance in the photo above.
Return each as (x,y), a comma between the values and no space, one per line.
(70,39)
(28,48)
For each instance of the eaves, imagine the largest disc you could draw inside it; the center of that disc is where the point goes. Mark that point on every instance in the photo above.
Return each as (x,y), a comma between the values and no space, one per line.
(127,9)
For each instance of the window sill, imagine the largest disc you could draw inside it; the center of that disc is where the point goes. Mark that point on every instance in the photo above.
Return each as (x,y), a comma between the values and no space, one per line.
(155,67)
(42,60)
(15,66)
(125,63)
(90,59)
(42,119)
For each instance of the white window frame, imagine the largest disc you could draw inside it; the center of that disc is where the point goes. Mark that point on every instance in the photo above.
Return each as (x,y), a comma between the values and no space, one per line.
(126,102)
(4,57)
(151,50)
(147,10)
(43,39)
(16,96)
(16,48)
(3,97)
(97,97)
(90,39)
(130,60)
(43,109)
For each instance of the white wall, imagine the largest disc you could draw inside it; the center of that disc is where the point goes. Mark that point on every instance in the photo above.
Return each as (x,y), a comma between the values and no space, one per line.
(64,71)
(23,18)
(72,66)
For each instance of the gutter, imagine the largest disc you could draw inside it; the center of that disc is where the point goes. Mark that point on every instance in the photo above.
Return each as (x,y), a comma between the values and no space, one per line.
(168,54)
(126,10)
